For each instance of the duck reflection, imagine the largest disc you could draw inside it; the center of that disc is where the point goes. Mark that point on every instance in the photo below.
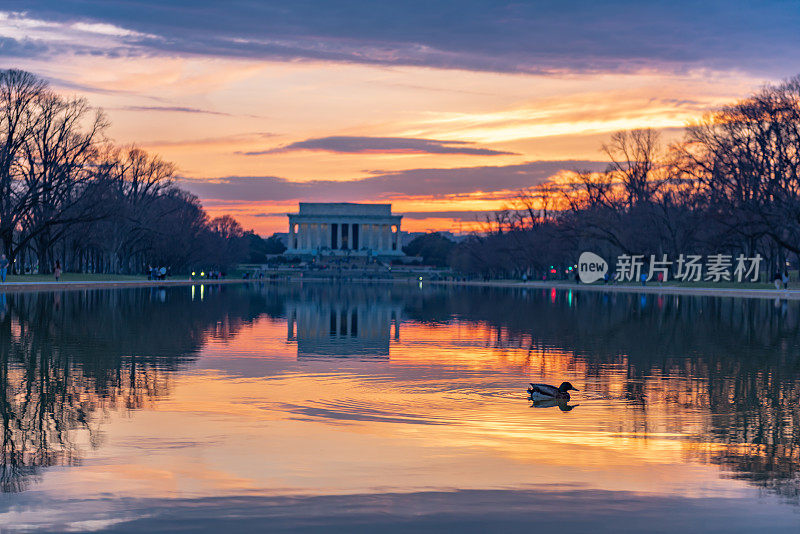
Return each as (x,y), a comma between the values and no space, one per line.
(562,404)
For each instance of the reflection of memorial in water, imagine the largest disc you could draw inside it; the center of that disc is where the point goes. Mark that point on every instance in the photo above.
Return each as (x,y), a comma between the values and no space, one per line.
(343,327)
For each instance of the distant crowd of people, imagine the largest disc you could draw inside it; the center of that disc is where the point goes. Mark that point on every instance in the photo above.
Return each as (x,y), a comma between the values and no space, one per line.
(156,273)
(5,264)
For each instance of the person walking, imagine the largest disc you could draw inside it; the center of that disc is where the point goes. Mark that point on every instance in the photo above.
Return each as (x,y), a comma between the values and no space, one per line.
(777,280)
(3,267)
(57,270)
(785,279)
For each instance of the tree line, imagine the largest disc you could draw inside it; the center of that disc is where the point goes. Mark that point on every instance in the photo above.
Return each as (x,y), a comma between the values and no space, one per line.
(68,194)
(730,185)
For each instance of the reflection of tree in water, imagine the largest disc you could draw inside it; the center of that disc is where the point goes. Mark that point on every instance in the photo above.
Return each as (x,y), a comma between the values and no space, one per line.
(68,359)
(724,371)
(732,364)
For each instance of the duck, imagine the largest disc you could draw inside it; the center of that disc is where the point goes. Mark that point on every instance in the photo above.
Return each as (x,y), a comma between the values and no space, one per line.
(546,391)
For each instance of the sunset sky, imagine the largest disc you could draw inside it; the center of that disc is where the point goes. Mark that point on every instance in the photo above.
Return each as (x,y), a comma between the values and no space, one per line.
(444,109)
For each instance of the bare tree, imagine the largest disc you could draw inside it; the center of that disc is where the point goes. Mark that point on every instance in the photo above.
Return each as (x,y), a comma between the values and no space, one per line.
(633,155)
(56,170)
(19,92)
(66,191)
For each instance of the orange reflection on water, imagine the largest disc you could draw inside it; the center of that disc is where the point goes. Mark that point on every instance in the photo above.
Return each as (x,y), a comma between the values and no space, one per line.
(346,390)
(446,410)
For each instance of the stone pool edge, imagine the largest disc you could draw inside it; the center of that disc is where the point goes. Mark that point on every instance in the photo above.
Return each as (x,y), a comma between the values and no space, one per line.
(789,294)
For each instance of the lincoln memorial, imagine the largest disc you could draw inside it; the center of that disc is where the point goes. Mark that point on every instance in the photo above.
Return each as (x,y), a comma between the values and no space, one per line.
(344,229)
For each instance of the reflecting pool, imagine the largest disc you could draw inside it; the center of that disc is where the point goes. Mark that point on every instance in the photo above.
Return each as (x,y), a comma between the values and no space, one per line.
(373,407)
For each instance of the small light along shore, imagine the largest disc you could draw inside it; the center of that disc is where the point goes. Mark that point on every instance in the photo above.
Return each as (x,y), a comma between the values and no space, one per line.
(747,290)
(71,281)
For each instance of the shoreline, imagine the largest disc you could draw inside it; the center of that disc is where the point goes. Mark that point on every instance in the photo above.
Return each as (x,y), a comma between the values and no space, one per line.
(763,293)
(22,287)
(748,293)
(771,294)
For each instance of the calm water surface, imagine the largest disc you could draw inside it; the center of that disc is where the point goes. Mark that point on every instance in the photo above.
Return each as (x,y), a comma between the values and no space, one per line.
(379,408)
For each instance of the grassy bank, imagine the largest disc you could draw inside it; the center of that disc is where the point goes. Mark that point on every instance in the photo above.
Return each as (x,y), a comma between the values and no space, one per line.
(72,277)
(81,282)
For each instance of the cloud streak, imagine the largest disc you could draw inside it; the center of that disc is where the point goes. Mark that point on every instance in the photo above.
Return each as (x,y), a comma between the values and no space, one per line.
(412,182)
(467,216)
(175,109)
(463,216)
(210,142)
(381,145)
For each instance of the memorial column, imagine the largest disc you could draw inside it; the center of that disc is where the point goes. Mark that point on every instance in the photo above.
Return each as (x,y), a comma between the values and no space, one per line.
(350,236)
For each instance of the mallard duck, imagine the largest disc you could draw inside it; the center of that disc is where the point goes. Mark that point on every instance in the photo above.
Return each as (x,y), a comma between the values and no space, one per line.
(546,391)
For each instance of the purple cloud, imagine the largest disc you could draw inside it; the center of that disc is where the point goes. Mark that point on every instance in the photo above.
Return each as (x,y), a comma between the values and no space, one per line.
(381,145)
(175,109)
(488,35)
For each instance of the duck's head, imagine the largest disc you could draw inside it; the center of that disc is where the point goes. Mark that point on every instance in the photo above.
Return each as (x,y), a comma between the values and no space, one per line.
(566,386)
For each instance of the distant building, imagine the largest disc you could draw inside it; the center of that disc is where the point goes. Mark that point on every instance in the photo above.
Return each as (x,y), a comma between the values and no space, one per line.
(344,229)
(283,237)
